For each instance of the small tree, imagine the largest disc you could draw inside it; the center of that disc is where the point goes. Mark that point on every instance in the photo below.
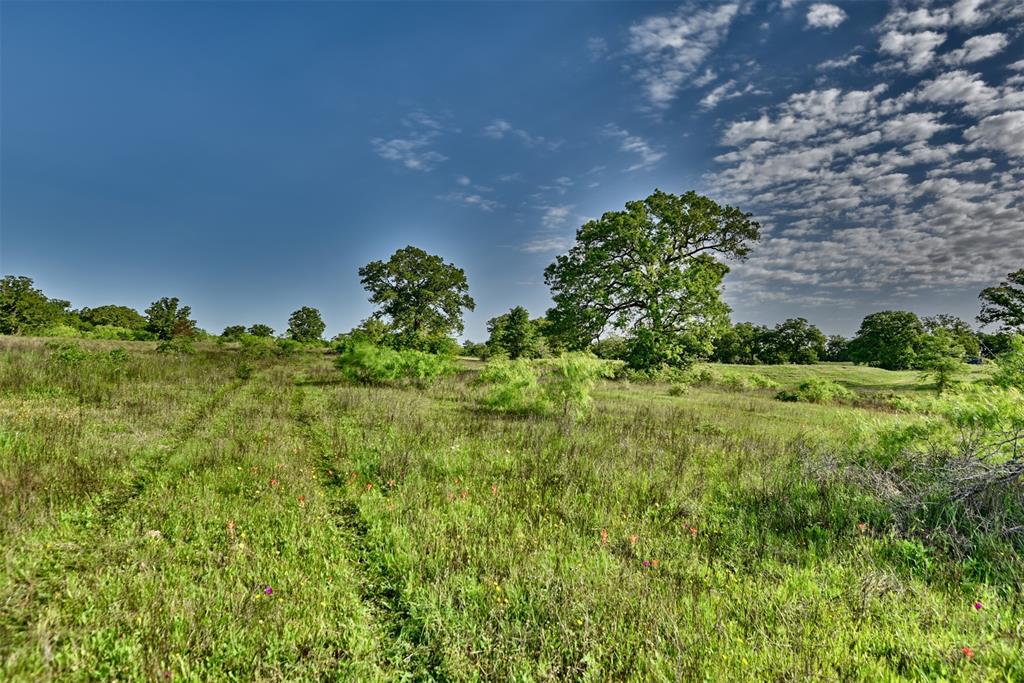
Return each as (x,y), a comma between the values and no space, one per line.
(837,348)
(940,358)
(513,334)
(1004,304)
(233,332)
(167,320)
(959,329)
(306,325)
(261,330)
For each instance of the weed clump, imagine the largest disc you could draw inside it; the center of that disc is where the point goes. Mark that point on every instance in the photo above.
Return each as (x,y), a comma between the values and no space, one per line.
(816,390)
(369,364)
(561,384)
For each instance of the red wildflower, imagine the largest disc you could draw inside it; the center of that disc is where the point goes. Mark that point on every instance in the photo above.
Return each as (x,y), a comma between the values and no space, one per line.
(604,536)
(693,531)
(633,539)
(968,652)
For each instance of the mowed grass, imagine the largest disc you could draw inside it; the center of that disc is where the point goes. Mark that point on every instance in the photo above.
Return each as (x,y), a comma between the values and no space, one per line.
(407,534)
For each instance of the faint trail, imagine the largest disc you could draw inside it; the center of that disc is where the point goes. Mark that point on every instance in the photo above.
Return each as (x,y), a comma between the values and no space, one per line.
(110,506)
(380,587)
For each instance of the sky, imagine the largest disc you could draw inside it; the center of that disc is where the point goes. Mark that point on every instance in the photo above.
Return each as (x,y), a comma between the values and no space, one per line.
(249,157)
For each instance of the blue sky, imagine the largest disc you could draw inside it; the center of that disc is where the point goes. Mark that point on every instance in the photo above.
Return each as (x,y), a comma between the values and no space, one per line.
(249,157)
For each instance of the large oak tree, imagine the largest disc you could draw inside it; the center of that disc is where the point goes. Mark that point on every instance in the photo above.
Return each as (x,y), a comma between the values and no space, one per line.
(651,272)
(1004,304)
(420,296)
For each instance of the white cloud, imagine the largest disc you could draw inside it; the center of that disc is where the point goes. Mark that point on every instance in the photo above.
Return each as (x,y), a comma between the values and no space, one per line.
(471,199)
(671,48)
(913,126)
(463,180)
(544,245)
(916,50)
(555,216)
(598,48)
(634,144)
(1003,132)
(1016,66)
(839,63)
(824,15)
(977,48)
(707,77)
(500,128)
(413,150)
(726,91)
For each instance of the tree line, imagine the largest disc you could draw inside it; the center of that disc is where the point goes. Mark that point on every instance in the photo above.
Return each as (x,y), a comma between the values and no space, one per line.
(642,285)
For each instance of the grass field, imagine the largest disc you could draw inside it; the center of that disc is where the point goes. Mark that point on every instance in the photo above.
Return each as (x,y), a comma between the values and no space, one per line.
(198,517)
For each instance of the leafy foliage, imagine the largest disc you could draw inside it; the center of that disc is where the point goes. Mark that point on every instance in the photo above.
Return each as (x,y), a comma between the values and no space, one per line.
(648,271)
(370,364)
(167,320)
(305,325)
(887,339)
(816,390)
(261,330)
(514,335)
(25,309)
(419,295)
(1004,304)
(113,315)
(1009,372)
(940,357)
(233,332)
(561,384)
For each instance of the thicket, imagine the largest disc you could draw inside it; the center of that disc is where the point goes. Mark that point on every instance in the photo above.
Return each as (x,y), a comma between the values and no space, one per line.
(369,364)
(561,385)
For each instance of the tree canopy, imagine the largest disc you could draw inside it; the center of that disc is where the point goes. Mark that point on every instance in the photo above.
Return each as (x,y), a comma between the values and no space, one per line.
(650,272)
(420,296)
(23,308)
(261,330)
(887,339)
(306,325)
(166,319)
(514,334)
(112,314)
(1004,304)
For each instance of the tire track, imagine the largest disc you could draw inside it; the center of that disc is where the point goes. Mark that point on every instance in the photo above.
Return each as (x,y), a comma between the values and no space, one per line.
(380,587)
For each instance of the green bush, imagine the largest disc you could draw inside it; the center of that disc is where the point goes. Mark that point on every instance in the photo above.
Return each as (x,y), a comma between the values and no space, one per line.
(571,378)
(180,345)
(67,355)
(369,364)
(817,390)
(1009,371)
(561,384)
(513,387)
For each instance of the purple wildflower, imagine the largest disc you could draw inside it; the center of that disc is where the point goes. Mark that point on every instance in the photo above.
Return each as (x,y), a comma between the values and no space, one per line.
(268,590)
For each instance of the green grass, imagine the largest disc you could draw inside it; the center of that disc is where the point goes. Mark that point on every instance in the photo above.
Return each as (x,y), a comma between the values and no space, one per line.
(408,534)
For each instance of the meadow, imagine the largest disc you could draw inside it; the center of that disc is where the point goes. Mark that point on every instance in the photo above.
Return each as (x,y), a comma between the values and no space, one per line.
(221,516)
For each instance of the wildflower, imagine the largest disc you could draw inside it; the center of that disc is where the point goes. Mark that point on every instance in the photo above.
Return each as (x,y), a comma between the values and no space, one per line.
(231,528)
(604,536)
(369,486)
(693,531)
(647,564)
(268,591)
(391,483)
(302,501)
(494,489)
(862,527)
(633,538)
(968,652)
(465,494)
(977,605)
(273,483)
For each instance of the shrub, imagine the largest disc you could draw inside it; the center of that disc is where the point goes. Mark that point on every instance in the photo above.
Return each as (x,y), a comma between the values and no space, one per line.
(956,476)
(561,384)
(572,377)
(513,386)
(67,355)
(1009,371)
(816,390)
(759,381)
(369,364)
(179,345)
(678,389)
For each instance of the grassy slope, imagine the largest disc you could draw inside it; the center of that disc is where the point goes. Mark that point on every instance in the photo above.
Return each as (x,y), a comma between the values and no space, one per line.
(407,533)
